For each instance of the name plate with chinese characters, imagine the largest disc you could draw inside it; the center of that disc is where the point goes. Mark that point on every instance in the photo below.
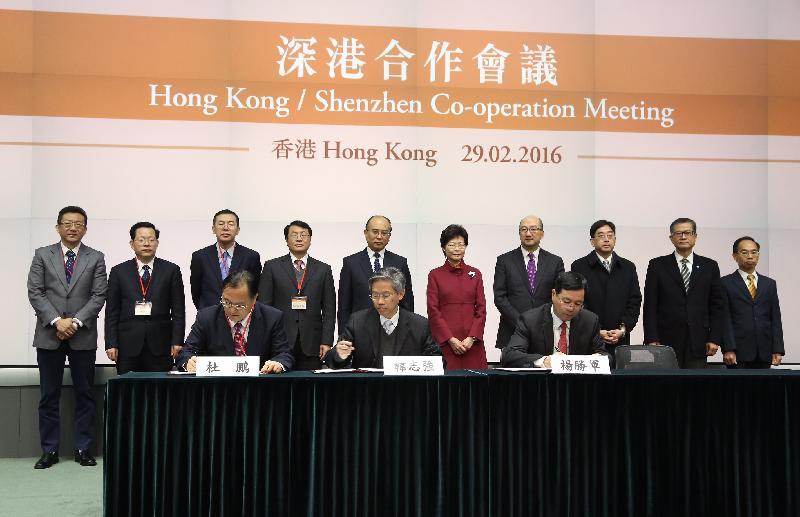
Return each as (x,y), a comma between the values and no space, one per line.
(228,366)
(413,365)
(584,364)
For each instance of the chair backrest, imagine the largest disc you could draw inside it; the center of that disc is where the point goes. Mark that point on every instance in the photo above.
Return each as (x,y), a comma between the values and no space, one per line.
(645,357)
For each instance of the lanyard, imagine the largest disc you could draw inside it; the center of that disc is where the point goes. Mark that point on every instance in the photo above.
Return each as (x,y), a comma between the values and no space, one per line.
(302,279)
(141,284)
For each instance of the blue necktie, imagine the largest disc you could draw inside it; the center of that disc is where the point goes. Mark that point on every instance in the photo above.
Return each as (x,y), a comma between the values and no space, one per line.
(146,276)
(377,265)
(69,265)
(224,265)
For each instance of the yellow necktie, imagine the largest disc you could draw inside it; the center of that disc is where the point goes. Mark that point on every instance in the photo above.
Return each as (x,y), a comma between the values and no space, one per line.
(751,286)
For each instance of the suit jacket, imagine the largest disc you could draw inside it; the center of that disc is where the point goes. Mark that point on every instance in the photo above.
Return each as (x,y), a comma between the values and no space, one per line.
(211,335)
(675,317)
(456,303)
(363,330)
(753,329)
(512,293)
(167,322)
(354,283)
(205,277)
(51,297)
(315,323)
(615,297)
(533,337)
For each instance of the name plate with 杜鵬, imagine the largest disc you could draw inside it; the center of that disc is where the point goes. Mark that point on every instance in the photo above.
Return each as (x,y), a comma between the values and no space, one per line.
(228,366)
(413,365)
(581,364)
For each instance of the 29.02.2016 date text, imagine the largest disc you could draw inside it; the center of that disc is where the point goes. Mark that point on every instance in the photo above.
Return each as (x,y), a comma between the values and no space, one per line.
(506,154)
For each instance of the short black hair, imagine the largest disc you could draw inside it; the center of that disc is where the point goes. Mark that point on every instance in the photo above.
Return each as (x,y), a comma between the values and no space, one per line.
(682,220)
(366,225)
(745,238)
(143,224)
(599,224)
(301,224)
(72,210)
(239,278)
(225,211)
(453,231)
(569,281)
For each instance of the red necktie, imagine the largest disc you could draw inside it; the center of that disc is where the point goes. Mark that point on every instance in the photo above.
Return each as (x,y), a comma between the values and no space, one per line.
(562,340)
(238,339)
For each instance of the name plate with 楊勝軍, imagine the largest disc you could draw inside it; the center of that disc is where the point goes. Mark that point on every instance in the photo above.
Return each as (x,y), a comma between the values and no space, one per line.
(228,366)
(584,364)
(413,365)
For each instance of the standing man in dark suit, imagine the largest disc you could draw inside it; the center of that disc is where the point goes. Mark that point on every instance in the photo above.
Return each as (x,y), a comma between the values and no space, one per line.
(66,288)
(239,325)
(301,287)
(386,329)
(212,264)
(754,332)
(360,266)
(523,277)
(684,302)
(556,328)
(145,310)
(612,290)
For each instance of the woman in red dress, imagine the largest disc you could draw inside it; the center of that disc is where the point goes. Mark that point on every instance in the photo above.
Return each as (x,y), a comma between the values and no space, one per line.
(457,305)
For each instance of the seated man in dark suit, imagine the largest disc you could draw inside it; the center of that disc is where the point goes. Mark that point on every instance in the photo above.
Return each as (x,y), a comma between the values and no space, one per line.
(560,327)
(384,330)
(754,332)
(239,325)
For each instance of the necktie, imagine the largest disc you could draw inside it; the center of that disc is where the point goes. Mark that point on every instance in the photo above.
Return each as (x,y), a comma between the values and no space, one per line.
(562,339)
(388,326)
(298,269)
(69,265)
(377,264)
(751,286)
(225,265)
(607,265)
(238,339)
(145,276)
(685,273)
(531,271)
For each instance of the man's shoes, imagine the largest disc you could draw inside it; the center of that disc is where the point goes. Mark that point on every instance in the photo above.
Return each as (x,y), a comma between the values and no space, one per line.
(47,460)
(84,458)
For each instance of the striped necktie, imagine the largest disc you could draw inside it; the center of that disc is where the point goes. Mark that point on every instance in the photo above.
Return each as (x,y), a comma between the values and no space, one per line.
(685,273)
(751,286)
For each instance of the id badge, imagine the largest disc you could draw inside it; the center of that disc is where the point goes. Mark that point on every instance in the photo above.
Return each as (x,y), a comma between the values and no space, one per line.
(143,308)
(299,302)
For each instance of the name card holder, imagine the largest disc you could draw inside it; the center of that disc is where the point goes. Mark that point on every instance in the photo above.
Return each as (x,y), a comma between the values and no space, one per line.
(415,365)
(580,364)
(228,366)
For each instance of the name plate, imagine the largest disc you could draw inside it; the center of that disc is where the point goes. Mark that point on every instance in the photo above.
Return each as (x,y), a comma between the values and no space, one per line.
(413,365)
(228,366)
(582,364)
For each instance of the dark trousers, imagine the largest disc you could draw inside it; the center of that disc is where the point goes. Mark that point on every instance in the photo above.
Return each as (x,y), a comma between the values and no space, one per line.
(146,361)
(751,365)
(51,375)
(302,361)
(686,359)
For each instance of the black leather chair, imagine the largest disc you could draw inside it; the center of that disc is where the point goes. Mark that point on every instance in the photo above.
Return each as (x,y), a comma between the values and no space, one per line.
(645,357)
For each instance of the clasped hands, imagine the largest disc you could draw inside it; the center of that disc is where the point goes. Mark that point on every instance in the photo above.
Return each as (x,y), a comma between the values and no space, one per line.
(461,346)
(66,328)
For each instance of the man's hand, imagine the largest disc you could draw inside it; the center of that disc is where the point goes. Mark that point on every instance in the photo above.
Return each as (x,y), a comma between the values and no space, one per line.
(776,359)
(175,351)
(65,328)
(323,349)
(711,349)
(112,353)
(729,358)
(272,367)
(191,365)
(344,349)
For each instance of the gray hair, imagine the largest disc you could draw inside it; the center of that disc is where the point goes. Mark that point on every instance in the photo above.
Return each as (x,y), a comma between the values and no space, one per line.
(391,274)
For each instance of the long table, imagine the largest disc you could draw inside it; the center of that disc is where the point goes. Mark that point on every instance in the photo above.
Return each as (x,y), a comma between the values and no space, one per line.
(672,443)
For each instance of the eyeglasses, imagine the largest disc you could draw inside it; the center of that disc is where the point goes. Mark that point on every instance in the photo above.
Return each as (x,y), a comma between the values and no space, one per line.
(145,241)
(529,229)
(224,224)
(609,235)
(748,253)
(570,303)
(72,224)
(382,233)
(687,233)
(295,235)
(456,246)
(236,306)
(380,296)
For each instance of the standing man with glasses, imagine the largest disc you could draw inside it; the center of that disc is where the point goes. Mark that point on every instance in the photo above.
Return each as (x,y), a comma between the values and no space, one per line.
(754,332)
(556,328)
(301,287)
(523,277)
(684,302)
(145,312)
(212,264)
(239,325)
(67,288)
(360,266)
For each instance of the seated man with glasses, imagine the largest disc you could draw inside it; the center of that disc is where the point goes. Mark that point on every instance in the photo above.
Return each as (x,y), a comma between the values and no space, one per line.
(560,327)
(384,330)
(239,325)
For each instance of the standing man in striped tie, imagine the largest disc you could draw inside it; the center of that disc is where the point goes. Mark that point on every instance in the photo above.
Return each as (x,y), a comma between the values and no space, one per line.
(754,332)
(684,301)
